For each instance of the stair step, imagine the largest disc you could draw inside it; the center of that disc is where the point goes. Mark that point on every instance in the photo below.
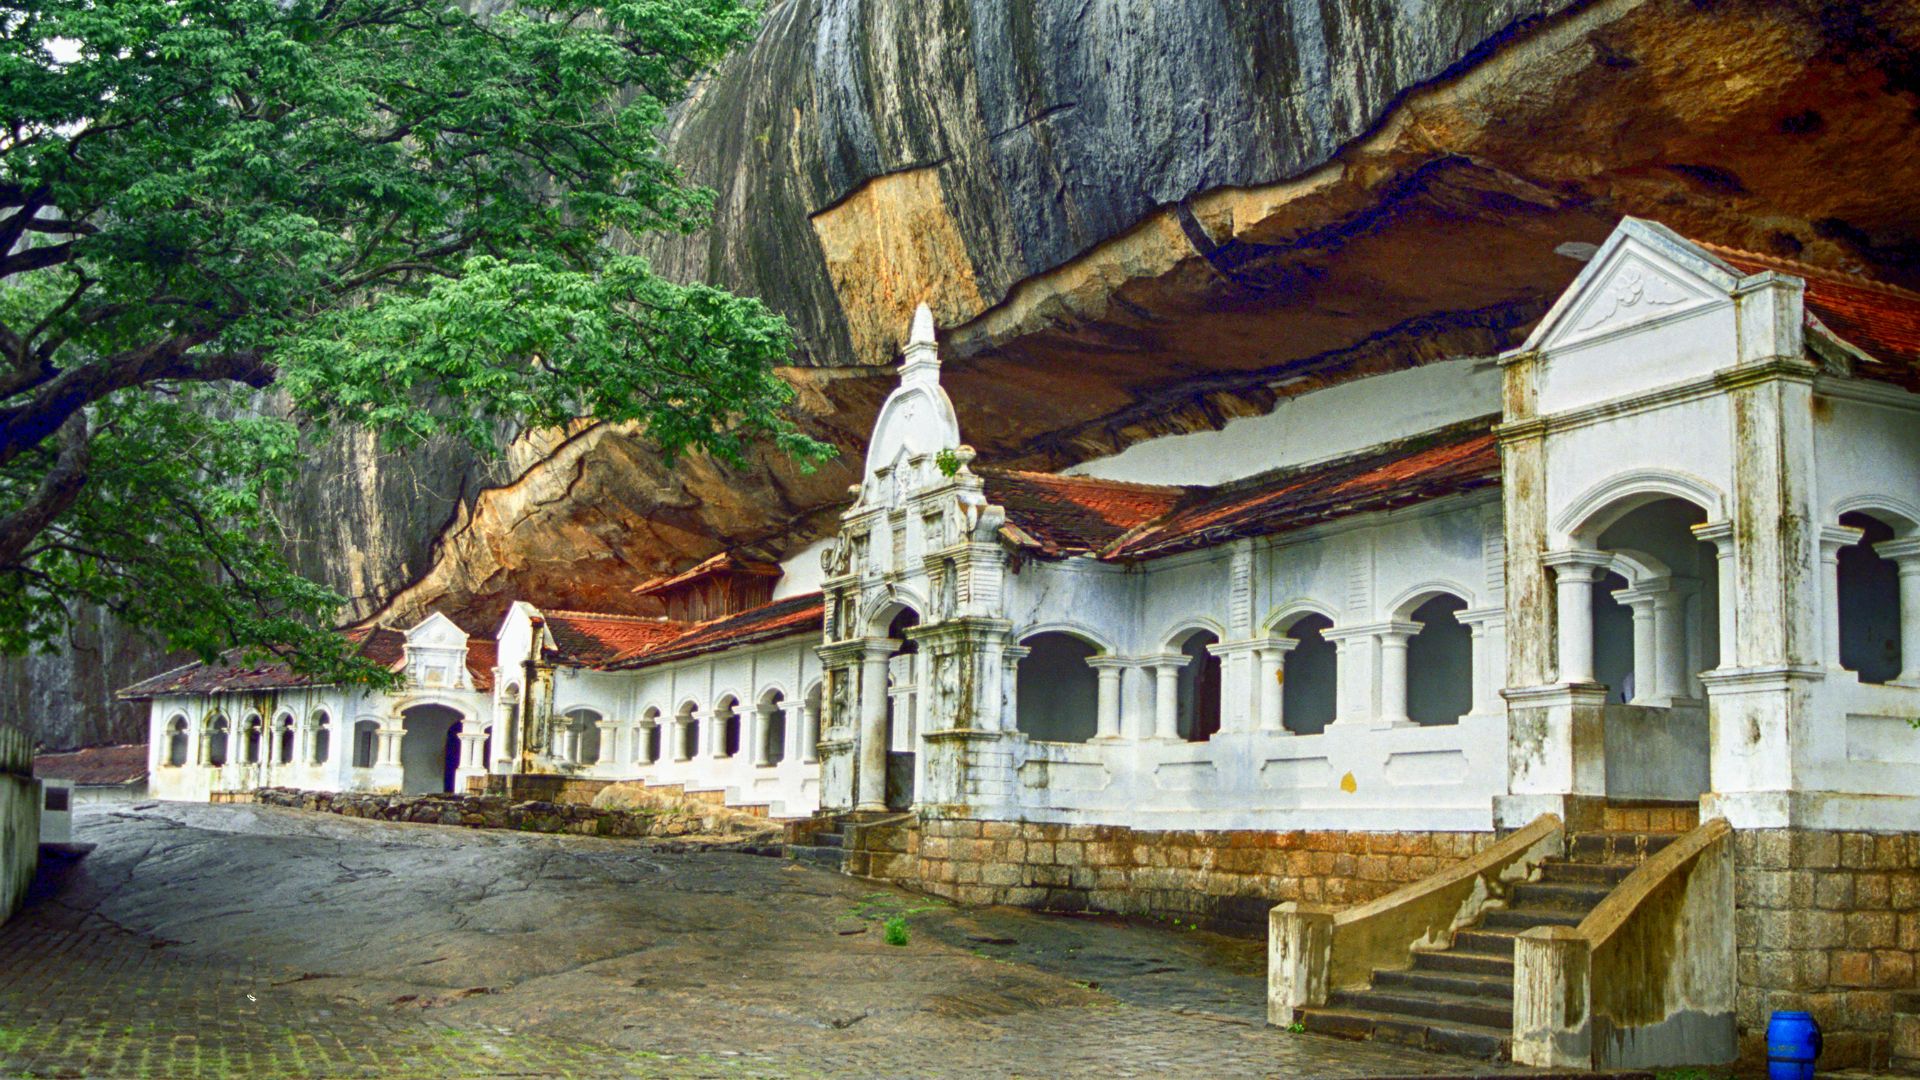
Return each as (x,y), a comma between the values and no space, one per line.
(1557,871)
(826,858)
(1559,895)
(1461,984)
(1650,815)
(1525,918)
(1616,846)
(1468,963)
(829,839)
(1486,942)
(1466,1040)
(1428,1006)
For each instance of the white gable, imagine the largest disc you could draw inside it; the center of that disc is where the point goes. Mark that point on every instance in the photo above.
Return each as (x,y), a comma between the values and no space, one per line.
(1644,273)
(437,653)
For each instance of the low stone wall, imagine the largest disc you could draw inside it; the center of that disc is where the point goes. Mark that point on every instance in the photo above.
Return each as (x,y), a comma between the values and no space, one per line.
(19,819)
(539,787)
(690,821)
(1223,880)
(1827,922)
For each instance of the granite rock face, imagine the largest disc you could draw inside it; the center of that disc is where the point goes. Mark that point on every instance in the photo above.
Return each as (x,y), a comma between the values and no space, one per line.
(1133,219)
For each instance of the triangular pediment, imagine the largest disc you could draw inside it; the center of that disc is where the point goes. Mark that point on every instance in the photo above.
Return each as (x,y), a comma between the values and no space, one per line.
(1644,273)
(437,631)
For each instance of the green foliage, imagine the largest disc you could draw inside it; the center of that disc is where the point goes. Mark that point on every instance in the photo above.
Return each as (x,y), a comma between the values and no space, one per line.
(393,213)
(948,462)
(896,930)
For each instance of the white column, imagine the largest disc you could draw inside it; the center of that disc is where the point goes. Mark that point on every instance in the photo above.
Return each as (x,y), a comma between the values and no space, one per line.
(1906,554)
(762,718)
(643,742)
(1574,573)
(609,743)
(810,737)
(387,748)
(1644,599)
(1671,648)
(1487,655)
(1108,670)
(1832,539)
(1391,640)
(1166,696)
(717,733)
(1270,661)
(682,724)
(1011,656)
(1720,535)
(793,731)
(872,761)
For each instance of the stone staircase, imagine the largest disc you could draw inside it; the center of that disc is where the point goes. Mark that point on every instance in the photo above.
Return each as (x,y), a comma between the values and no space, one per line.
(1459,999)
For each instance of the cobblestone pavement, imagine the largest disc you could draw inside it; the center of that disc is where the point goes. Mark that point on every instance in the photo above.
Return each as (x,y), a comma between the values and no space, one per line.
(245,941)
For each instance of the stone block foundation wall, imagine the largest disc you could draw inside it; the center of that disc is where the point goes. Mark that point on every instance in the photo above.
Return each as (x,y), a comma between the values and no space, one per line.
(1828,922)
(1223,880)
(19,819)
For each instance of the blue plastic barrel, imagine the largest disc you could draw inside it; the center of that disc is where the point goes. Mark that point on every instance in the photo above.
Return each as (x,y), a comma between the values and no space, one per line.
(1793,1042)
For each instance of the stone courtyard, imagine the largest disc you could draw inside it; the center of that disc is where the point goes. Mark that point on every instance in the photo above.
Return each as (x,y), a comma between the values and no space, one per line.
(242,940)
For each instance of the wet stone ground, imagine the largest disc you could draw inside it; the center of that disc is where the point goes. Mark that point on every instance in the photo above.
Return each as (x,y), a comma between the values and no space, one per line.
(231,941)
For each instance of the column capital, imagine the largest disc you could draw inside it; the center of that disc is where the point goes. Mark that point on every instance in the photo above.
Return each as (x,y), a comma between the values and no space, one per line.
(1644,592)
(1485,618)
(1577,564)
(1013,654)
(1835,537)
(1905,551)
(1109,663)
(1717,533)
(1163,660)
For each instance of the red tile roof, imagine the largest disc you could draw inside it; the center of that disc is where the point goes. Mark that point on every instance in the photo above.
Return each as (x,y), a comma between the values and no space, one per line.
(588,639)
(1880,320)
(724,563)
(381,644)
(1065,515)
(1457,459)
(768,622)
(104,765)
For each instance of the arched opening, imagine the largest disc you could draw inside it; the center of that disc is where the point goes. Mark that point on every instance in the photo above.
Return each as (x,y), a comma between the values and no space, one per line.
(773,728)
(1869,603)
(726,727)
(1058,694)
(322,738)
(1654,624)
(217,731)
(1198,718)
(254,734)
(583,736)
(810,737)
(647,746)
(283,752)
(686,742)
(179,741)
(366,744)
(429,749)
(900,682)
(1613,639)
(1309,674)
(1439,663)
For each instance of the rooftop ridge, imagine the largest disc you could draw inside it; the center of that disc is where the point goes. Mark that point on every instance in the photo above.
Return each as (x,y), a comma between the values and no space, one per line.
(1800,268)
(1069,478)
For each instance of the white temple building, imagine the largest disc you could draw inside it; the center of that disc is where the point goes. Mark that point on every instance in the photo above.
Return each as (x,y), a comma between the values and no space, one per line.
(1668,549)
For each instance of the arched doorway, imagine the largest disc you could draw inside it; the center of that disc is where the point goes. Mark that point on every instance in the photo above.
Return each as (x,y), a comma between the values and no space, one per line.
(429,749)
(1654,628)
(902,698)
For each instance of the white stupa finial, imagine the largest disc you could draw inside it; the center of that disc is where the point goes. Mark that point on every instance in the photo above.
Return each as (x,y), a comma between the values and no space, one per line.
(922,355)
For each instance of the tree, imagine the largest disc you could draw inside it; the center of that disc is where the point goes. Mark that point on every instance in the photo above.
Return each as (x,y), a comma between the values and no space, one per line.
(394,213)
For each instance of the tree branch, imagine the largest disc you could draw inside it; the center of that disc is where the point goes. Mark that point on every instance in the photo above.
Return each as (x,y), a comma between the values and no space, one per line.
(58,490)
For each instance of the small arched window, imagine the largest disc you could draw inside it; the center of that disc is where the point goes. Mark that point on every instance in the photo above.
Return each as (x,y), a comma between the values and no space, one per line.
(322,738)
(583,725)
(179,741)
(1440,663)
(1057,694)
(726,728)
(217,732)
(1199,717)
(366,744)
(687,739)
(647,747)
(255,736)
(283,735)
(1309,674)
(1869,603)
(810,738)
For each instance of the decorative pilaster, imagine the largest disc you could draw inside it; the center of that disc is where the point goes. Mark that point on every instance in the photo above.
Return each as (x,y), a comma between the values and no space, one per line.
(1391,639)
(1271,659)
(1108,670)
(1720,535)
(1832,539)
(1166,694)
(1574,572)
